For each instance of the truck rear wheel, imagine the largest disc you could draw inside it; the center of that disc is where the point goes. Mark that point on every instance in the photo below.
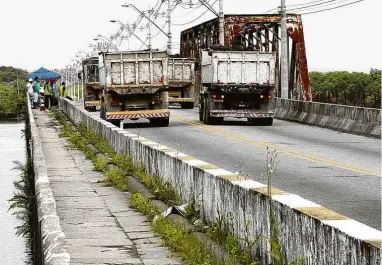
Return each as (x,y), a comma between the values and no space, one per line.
(201,113)
(208,119)
(163,122)
(267,122)
(187,105)
(261,121)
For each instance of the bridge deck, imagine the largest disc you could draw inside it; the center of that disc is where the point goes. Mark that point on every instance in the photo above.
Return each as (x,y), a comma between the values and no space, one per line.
(99,226)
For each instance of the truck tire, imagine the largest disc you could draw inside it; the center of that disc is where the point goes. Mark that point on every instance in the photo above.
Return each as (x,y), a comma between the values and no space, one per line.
(267,122)
(261,121)
(201,113)
(187,105)
(163,122)
(207,117)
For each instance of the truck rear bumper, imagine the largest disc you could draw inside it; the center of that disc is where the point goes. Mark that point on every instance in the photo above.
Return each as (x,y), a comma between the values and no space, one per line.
(242,114)
(180,100)
(139,114)
(92,103)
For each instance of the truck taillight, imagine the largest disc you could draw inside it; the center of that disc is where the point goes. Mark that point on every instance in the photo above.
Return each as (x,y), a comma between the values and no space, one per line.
(217,96)
(156,102)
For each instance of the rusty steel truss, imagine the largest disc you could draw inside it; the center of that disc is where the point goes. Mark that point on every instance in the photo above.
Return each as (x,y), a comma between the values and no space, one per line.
(255,32)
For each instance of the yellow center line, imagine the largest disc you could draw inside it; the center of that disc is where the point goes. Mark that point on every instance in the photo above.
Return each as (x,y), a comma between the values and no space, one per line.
(294,152)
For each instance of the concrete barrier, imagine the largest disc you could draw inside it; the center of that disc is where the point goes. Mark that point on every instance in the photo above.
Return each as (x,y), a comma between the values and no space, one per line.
(304,229)
(349,119)
(53,245)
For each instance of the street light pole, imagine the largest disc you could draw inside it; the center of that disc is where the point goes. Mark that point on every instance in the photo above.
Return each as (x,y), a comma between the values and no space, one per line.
(284,54)
(169,48)
(149,36)
(221,23)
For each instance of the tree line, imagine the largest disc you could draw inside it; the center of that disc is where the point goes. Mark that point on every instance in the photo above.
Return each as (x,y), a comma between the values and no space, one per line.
(12,92)
(356,89)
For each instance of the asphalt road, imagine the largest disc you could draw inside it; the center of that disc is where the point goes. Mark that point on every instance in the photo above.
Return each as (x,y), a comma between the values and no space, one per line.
(337,170)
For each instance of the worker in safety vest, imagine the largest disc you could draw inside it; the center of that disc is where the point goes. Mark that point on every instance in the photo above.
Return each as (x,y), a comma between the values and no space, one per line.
(48,95)
(63,92)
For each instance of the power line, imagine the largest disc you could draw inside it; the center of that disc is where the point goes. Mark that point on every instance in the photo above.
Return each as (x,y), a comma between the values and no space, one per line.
(308,6)
(307,3)
(316,4)
(182,24)
(322,10)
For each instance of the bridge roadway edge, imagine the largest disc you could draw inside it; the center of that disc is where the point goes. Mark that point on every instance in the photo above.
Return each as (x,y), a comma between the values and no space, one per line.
(348,119)
(54,250)
(306,229)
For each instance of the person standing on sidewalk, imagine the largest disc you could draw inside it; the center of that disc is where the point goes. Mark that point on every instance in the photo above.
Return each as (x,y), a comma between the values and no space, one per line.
(36,91)
(47,94)
(30,90)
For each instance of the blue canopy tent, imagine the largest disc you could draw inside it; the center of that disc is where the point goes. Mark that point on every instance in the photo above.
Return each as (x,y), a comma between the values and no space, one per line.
(44,74)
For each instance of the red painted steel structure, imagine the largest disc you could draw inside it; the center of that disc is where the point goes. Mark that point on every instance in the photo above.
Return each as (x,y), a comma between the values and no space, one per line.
(254,32)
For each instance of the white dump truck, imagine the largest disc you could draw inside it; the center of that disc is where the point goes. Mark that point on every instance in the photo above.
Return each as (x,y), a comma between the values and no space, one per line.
(135,86)
(181,76)
(92,88)
(237,84)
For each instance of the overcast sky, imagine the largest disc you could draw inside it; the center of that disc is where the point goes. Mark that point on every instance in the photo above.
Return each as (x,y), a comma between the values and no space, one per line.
(49,32)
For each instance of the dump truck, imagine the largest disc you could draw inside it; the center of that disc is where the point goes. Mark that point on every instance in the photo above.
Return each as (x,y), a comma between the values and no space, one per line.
(135,86)
(92,89)
(237,84)
(181,79)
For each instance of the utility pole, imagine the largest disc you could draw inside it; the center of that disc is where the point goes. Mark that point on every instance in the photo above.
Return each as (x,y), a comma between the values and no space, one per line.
(169,50)
(284,54)
(149,36)
(221,23)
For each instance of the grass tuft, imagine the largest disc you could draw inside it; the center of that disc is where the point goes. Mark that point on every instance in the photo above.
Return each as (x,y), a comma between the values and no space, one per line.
(115,178)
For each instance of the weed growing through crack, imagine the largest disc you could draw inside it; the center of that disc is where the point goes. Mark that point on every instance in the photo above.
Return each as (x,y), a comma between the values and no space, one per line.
(125,163)
(100,164)
(143,205)
(176,237)
(115,178)
(162,190)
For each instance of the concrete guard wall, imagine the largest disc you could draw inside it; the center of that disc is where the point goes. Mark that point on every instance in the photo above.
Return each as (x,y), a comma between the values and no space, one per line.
(53,245)
(349,119)
(305,229)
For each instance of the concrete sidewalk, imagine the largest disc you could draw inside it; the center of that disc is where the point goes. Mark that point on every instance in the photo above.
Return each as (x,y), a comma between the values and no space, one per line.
(99,226)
